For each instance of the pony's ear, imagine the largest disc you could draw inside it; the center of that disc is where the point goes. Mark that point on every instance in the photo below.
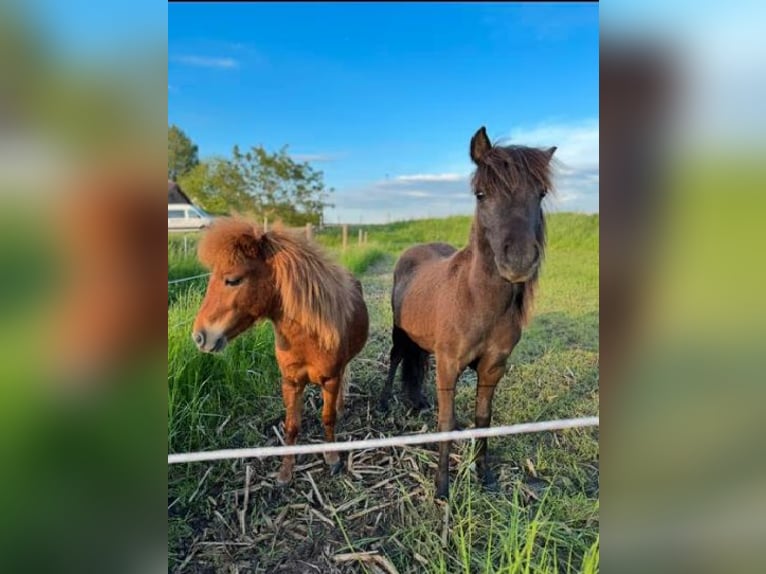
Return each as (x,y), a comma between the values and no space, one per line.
(480,145)
(550,151)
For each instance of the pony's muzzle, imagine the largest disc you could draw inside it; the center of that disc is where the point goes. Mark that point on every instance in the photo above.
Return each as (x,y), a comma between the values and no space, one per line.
(208,344)
(519,267)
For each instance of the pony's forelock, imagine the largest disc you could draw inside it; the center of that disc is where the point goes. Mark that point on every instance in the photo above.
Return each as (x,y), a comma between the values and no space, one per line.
(229,241)
(509,169)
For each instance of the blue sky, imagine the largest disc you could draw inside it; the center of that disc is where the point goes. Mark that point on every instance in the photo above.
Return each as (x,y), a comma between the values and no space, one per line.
(384,98)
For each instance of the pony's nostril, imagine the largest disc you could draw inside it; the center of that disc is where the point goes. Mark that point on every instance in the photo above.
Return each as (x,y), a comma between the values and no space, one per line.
(199,338)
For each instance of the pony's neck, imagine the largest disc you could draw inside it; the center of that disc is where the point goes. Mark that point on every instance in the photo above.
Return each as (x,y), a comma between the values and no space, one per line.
(482,259)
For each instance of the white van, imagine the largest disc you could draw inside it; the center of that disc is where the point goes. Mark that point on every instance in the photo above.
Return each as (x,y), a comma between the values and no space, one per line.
(183,216)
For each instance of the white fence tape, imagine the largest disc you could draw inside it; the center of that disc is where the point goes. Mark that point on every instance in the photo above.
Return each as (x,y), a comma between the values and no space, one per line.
(263,452)
(183,280)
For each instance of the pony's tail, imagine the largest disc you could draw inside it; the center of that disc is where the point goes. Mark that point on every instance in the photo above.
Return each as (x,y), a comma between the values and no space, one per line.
(414,368)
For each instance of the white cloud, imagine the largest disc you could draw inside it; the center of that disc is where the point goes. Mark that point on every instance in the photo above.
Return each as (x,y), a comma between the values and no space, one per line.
(429,177)
(576,160)
(445,193)
(208,62)
(416,193)
(403,197)
(577,143)
(317,157)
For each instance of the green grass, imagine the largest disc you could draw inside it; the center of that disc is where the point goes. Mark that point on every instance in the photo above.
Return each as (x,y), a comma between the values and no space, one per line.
(394,238)
(182,255)
(359,259)
(545,519)
(205,389)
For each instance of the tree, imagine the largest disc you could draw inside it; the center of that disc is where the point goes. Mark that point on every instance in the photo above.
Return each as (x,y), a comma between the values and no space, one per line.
(282,188)
(182,153)
(217,186)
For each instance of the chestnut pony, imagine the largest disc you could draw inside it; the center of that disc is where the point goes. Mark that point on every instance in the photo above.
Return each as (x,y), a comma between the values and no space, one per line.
(468,307)
(316,307)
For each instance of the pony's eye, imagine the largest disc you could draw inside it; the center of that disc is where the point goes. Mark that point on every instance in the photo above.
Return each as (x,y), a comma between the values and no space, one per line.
(480,195)
(233,282)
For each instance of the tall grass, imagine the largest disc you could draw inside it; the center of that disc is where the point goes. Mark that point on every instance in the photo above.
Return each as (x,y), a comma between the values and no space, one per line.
(394,238)
(500,534)
(182,255)
(205,389)
(359,259)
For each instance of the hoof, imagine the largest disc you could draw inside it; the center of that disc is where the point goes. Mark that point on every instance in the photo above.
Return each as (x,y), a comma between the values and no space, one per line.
(419,404)
(442,490)
(284,478)
(336,468)
(423,405)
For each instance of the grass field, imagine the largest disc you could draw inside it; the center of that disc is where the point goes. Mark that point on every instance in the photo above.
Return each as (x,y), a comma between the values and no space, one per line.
(380,516)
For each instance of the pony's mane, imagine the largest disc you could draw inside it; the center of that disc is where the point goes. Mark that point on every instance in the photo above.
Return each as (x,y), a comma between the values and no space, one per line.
(517,169)
(507,169)
(524,301)
(315,292)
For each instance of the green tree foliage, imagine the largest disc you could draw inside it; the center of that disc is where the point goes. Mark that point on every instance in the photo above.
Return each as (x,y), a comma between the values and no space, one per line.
(182,152)
(254,182)
(217,186)
(281,188)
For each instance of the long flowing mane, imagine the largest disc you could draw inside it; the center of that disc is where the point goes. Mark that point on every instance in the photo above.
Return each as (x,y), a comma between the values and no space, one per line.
(315,292)
(517,169)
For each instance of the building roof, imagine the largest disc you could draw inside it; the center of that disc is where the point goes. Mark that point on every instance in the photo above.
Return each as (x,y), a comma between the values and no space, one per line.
(176,194)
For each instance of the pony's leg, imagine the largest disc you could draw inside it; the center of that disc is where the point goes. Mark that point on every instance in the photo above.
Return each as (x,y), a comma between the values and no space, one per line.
(340,399)
(447,372)
(331,390)
(292,393)
(393,364)
(490,372)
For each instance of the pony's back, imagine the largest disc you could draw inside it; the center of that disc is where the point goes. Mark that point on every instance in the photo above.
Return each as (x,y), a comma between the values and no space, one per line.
(409,263)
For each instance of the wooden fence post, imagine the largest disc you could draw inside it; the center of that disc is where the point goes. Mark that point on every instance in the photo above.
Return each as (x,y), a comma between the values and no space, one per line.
(309,232)
(265,224)
(365,238)
(360,236)
(345,237)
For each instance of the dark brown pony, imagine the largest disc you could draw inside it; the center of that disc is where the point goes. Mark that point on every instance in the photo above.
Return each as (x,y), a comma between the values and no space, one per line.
(319,316)
(468,307)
